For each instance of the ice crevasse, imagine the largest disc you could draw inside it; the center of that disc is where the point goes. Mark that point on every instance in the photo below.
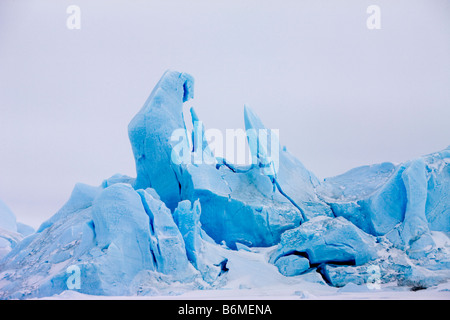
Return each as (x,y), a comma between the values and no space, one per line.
(179,222)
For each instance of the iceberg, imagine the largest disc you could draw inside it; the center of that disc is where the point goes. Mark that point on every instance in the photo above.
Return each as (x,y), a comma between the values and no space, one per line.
(404,203)
(11,231)
(239,204)
(113,239)
(7,218)
(253,205)
(184,224)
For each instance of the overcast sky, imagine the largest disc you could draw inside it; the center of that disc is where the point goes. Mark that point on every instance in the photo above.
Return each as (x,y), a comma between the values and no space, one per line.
(340,94)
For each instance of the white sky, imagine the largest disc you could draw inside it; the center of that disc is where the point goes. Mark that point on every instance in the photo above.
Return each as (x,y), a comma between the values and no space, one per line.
(340,94)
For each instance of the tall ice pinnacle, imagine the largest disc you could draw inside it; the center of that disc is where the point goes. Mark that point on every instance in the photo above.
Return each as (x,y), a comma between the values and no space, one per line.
(150,134)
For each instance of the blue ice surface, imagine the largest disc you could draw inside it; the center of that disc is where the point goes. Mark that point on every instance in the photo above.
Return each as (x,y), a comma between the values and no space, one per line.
(141,235)
(328,240)
(292,265)
(253,205)
(116,235)
(11,231)
(247,205)
(150,133)
(401,202)
(200,149)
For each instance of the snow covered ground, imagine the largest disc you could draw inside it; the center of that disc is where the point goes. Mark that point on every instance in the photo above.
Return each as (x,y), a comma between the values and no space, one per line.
(312,292)
(251,277)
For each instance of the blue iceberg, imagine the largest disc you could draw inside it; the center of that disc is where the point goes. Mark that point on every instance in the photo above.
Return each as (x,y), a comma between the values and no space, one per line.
(11,231)
(403,203)
(184,224)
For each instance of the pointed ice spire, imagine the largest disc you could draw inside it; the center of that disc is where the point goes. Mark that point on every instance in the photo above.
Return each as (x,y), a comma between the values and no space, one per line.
(201,150)
(260,144)
(264,143)
(155,133)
